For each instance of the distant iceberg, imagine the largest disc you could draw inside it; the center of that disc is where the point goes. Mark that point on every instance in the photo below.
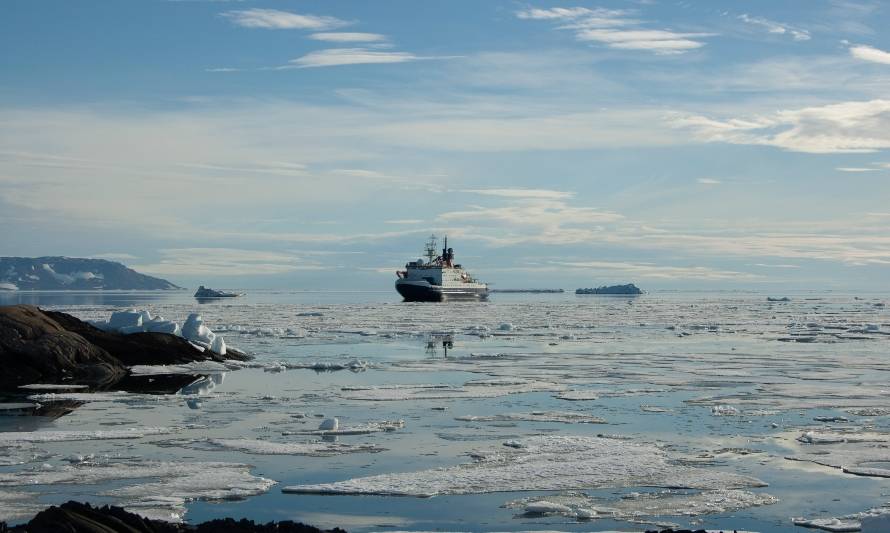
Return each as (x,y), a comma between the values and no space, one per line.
(629,289)
(204,292)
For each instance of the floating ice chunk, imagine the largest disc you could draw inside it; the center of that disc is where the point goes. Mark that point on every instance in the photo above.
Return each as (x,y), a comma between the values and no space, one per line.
(577,395)
(634,505)
(18,438)
(101,324)
(506,326)
(869,411)
(565,417)
(125,319)
(195,367)
(492,388)
(359,429)
(163,326)
(313,449)
(218,346)
(544,463)
(867,471)
(129,330)
(545,507)
(831,419)
(724,410)
(329,424)
(828,524)
(655,409)
(52,386)
(813,437)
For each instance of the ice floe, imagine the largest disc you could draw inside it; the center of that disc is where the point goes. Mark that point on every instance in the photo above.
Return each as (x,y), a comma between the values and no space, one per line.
(172,483)
(195,367)
(18,438)
(332,427)
(634,506)
(578,395)
(472,389)
(544,463)
(15,504)
(313,449)
(870,521)
(52,386)
(565,417)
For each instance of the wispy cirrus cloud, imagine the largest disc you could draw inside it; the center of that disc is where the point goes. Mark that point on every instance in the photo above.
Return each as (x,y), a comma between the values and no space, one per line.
(870,53)
(348,37)
(845,127)
(273,19)
(522,193)
(225,262)
(333,57)
(771,26)
(615,29)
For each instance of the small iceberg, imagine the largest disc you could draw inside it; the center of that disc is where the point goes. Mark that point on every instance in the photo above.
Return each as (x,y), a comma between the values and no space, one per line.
(205,292)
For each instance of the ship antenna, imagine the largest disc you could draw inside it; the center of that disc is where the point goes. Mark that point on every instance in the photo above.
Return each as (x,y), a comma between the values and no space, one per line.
(430,249)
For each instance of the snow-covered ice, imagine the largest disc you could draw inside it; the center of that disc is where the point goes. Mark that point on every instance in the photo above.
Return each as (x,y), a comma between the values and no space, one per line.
(314,449)
(649,504)
(564,417)
(543,463)
(18,438)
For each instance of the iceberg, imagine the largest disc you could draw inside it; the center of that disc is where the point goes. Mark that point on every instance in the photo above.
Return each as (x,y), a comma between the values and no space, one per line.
(133,321)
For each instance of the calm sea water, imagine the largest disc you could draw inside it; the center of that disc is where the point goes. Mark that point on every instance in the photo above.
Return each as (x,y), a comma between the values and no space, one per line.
(663,367)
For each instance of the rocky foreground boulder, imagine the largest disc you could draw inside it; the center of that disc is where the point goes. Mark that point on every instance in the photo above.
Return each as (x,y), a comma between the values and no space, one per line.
(75,517)
(52,347)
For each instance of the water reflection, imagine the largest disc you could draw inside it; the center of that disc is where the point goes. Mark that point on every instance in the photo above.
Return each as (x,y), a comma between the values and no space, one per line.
(204,385)
(436,340)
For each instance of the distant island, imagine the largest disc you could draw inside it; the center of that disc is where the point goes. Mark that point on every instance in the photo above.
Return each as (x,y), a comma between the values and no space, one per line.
(529,291)
(73,274)
(626,290)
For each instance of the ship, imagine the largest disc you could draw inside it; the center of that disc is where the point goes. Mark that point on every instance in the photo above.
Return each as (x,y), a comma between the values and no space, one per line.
(438,279)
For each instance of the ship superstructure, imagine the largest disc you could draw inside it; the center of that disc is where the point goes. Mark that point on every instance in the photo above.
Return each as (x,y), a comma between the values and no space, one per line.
(438,278)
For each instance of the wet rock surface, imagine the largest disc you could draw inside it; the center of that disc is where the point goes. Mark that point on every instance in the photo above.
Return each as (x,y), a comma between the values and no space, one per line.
(48,346)
(76,517)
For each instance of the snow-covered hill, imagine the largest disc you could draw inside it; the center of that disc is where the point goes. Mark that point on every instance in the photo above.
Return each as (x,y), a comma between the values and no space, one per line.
(70,273)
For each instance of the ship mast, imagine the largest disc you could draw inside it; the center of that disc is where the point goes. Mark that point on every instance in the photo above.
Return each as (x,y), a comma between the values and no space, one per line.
(430,248)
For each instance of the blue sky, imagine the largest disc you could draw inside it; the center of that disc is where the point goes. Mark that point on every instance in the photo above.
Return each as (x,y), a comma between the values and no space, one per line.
(315,144)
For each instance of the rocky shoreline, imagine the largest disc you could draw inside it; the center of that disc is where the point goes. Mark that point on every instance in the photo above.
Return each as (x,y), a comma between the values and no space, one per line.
(76,517)
(38,346)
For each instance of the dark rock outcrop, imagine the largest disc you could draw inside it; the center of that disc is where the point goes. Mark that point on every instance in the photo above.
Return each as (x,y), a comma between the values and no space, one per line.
(76,517)
(48,346)
(72,273)
(34,347)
